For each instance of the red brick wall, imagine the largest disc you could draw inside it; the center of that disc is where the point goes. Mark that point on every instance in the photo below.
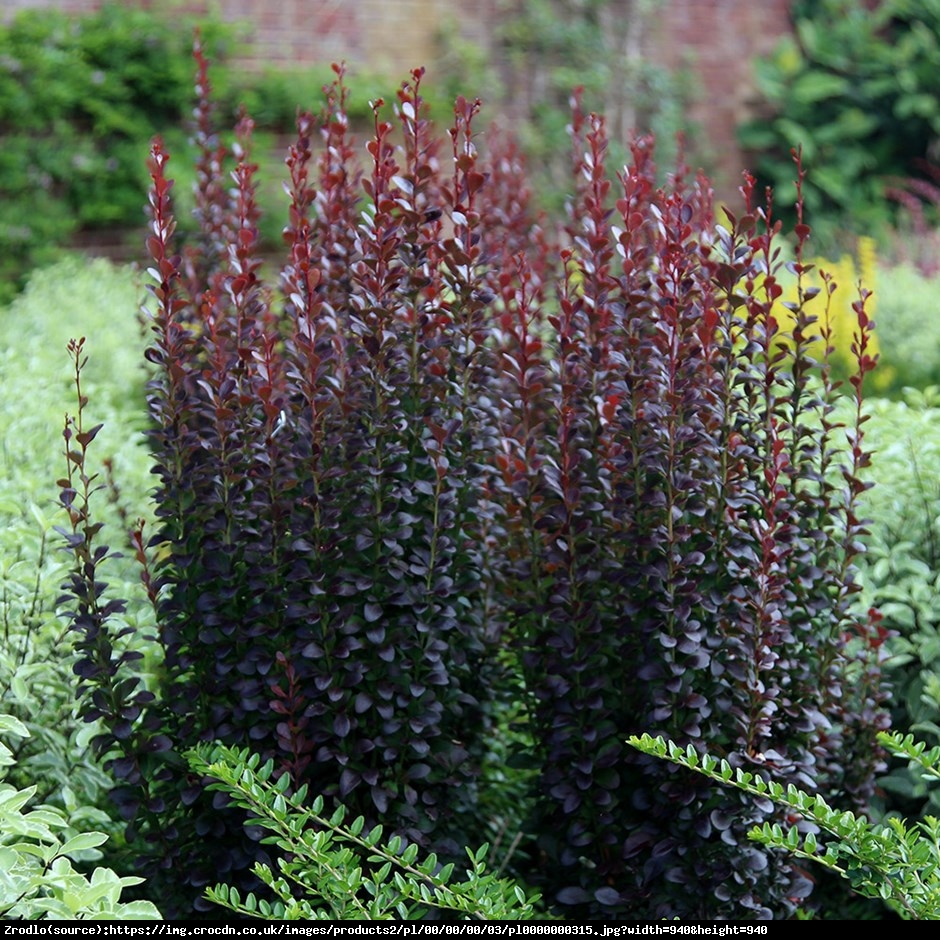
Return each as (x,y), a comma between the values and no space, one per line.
(378,35)
(719,40)
(375,34)
(716,39)
(8,8)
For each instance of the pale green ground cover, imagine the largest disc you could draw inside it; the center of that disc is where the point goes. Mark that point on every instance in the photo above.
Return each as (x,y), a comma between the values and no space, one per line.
(907,321)
(900,573)
(53,793)
(75,298)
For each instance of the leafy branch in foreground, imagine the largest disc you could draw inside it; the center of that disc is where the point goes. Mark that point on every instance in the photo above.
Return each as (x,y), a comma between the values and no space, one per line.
(896,861)
(37,847)
(330,870)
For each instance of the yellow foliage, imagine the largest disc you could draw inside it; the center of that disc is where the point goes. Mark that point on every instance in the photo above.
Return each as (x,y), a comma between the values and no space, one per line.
(847,274)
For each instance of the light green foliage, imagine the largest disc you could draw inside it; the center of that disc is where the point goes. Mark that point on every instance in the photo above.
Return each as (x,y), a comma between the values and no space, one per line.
(900,572)
(908,324)
(38,845)
(334,870)
(897,862)
(507,782)
(79,296)
(904,505)
(462,67)
(74,297)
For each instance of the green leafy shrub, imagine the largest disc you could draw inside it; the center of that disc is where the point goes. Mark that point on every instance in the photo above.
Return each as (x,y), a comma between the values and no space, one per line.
(79,100)
(37,848)
(854,87)
(896,862)
(329,869)
(900,573)
(909,325)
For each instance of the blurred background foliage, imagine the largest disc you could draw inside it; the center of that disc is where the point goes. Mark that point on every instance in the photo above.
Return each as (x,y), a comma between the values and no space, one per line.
(855,86)
(80,99)
(552,47)
(82,96)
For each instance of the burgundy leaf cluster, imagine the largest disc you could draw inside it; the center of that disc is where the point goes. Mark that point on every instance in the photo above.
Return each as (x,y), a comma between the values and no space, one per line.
(450,449)
(680,544)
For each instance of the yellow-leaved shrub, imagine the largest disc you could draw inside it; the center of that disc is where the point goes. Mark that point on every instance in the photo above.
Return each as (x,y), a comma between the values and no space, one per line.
(846,273)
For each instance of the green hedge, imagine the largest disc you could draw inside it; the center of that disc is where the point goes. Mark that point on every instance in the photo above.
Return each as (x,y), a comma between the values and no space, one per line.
(80,99)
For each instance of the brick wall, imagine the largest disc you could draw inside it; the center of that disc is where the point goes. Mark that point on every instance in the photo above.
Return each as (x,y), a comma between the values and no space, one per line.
(8,8)
(719,40)
(378,35)
(716,39)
